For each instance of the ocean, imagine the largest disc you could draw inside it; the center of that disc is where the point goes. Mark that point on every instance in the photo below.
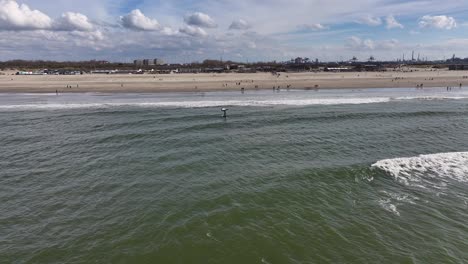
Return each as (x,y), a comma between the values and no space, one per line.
(328,176)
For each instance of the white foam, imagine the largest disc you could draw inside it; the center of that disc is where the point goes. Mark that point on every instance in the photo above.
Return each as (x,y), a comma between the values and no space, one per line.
(400,197)
(91,100)
(430,98)
(418,171)
(388,206)
(195,104)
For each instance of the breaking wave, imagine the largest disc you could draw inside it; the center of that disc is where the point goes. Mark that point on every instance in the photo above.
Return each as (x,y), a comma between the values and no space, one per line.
(433,168)
(83,101)
(430,98)
(197,104)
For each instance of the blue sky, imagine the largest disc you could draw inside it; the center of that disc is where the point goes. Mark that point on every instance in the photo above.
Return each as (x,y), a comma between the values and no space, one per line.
(188,30)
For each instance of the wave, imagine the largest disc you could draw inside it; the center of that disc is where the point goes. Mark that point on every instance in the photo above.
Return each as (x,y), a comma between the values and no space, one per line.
(190,103)
(197,104)
(421,169)
(429,98)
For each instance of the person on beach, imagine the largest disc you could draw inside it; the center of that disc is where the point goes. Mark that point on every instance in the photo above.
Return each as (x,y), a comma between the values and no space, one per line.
(56,92)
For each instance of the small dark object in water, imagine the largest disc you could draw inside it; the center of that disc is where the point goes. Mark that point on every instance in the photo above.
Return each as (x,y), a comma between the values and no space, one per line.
(224,112)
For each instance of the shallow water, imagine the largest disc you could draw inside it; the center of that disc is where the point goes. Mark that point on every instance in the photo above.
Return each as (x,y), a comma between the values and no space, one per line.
(288,177)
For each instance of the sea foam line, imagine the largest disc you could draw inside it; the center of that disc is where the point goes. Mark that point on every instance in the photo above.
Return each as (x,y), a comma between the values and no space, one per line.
(217,103)
(197,104)
(430,98)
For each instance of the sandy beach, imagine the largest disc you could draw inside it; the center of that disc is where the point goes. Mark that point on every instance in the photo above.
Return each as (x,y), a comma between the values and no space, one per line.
(230,81)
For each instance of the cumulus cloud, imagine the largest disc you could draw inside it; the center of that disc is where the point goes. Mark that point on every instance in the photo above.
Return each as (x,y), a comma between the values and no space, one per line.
(240,25)
(200,20)
(193,31)
(440,22)
(370,21)
(72,21)
(93,36)
(393,23)
(389,44)
(313,27)
(168,31)
(357,43)
(136,20)
(20,17)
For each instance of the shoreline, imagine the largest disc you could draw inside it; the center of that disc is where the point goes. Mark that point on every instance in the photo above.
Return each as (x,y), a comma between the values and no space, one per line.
(228,82)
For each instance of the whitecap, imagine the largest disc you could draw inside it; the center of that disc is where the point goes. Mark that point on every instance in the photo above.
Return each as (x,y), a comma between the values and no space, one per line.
(388,206)
(430,98)
(417,171)
(194,104)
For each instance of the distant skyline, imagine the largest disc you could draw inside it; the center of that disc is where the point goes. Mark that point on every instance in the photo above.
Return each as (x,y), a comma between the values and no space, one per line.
(188,30)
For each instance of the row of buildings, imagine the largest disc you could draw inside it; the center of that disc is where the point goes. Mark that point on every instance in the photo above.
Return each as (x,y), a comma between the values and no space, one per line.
(148,62)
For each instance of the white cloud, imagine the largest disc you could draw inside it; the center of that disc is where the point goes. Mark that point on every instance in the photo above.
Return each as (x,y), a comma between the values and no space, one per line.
(370,21)
(457,42)
(274,39)
(72,21)
(440,22)
(168,31)
(354,42)
(193,31)
(357,43)
(368,44)
(200,20)
(251,45)
(392,22)
(313,27)
(240,24)
(388,44)
(20,17)
(93,36)
(136,20)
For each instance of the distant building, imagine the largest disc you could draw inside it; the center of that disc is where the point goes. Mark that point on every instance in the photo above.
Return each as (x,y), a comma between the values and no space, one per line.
(372,67)
(158,62)
(189,70)
(299,60)
(138,62)
(458,67)
(148,62)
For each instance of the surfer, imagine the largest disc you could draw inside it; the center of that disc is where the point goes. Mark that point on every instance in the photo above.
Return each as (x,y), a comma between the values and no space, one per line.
(224,110)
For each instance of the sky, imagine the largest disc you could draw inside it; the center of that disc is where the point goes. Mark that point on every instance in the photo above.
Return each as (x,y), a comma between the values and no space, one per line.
(183,31)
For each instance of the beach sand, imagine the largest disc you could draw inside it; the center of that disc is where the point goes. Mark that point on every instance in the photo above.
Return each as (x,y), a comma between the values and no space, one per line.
(227,82)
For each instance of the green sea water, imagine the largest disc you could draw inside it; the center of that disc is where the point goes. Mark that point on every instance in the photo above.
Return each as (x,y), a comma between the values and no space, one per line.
(298,178)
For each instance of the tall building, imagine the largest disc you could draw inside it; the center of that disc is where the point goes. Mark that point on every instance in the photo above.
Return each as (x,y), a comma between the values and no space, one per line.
(138,62)
(158,62)
(147,62)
